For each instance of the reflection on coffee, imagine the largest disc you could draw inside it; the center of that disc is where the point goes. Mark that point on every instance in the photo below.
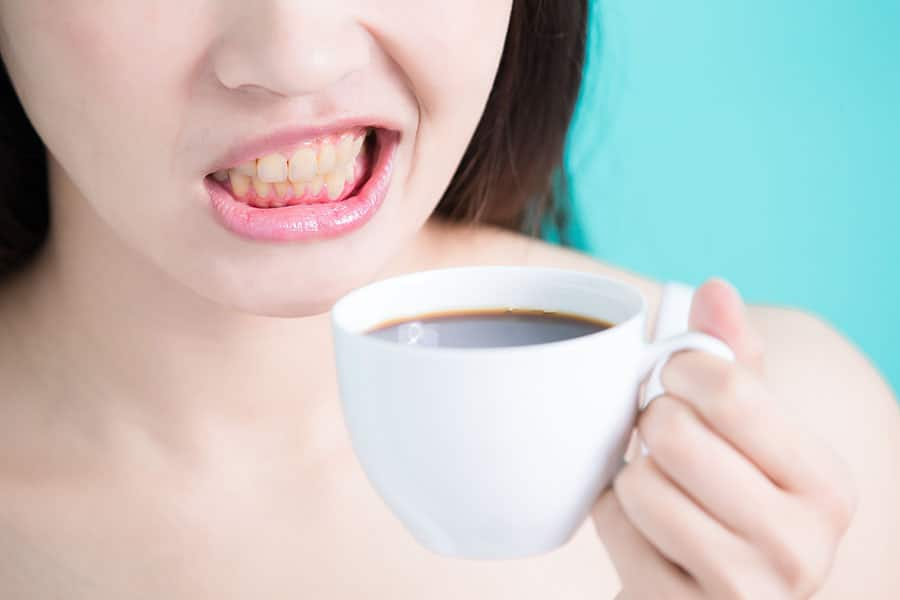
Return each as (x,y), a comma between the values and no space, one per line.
(487,328)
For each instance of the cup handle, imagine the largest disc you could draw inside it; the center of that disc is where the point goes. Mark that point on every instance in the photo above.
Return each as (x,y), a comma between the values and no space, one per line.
(656,354)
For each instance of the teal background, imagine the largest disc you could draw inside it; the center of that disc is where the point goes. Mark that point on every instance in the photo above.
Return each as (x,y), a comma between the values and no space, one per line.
(754,140)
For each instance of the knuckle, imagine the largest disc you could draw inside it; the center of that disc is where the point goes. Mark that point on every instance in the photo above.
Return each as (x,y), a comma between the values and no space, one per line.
(733,586)
(838,506)
(806,574)
(737,398)
(666,425)
(843,498)
(833,496)
(804,557)
(735,573)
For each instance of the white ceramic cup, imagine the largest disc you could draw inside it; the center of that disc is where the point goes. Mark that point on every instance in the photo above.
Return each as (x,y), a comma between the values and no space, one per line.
(490,453)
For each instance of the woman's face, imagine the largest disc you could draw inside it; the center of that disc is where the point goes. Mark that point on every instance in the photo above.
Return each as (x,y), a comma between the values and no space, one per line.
(139,103)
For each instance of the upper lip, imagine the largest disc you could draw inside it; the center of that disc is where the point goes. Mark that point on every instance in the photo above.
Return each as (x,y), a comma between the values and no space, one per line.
(286,137)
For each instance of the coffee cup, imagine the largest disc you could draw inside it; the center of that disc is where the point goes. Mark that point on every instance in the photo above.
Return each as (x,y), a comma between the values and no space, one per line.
(496,452)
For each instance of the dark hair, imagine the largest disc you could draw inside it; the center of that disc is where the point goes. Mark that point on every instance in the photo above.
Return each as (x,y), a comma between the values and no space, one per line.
(510,175)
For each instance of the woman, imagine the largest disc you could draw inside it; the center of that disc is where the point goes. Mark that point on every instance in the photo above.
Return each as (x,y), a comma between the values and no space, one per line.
(167,433)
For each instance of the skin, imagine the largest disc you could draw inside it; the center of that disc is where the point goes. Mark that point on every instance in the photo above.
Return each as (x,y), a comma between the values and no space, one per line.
(166,434)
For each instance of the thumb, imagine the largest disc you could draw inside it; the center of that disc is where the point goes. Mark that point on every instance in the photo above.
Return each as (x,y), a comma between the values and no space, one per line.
(717,309)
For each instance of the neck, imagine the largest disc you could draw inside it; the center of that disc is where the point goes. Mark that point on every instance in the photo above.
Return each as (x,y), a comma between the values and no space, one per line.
(109,338)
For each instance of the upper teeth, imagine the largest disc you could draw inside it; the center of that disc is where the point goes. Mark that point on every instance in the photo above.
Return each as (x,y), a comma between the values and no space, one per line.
(307,162)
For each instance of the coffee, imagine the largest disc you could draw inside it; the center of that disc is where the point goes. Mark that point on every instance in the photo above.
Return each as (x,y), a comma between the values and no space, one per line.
(487,328)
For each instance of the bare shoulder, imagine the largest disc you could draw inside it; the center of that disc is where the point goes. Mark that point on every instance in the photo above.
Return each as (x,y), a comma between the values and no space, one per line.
(828,383)
(806,353)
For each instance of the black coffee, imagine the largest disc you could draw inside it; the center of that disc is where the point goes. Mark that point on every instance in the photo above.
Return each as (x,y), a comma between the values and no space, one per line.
(487,328)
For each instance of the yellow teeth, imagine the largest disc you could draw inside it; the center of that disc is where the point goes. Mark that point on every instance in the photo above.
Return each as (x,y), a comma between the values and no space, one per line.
(315,186)
(248,168)
(262,187)
(311,169)
(303,165)
(281,189)
(281,194)
(334,181)
(240,184)
(327,159)
(272,168)
(345,150)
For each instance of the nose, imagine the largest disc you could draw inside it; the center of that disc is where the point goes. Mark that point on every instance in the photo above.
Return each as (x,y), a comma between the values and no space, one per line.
(288,47)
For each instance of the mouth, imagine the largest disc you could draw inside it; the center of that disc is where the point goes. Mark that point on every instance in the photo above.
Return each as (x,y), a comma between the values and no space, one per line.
(319,187)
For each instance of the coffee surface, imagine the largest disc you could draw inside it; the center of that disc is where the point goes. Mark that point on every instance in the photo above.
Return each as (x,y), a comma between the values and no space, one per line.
(493,328)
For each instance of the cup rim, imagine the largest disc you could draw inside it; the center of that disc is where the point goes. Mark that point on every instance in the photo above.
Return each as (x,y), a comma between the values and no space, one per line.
(339,307)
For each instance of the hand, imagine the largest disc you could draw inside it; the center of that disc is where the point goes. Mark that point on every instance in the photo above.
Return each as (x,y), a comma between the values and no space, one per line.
(732,501)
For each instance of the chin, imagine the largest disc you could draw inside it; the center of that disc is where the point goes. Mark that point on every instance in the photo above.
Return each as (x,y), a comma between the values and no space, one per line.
(292,294)
(288,308)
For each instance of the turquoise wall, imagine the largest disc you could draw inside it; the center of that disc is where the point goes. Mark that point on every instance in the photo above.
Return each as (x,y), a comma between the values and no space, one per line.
(756,140)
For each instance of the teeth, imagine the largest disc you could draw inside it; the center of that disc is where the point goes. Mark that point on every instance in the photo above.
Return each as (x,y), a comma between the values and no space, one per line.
(334,181)
(281,194)
(262,187)
(248,168)
(303,165)
(313,170)
(240,184)
(272,168)
(345,149)
(327,158)
(357,144)
(281,189)
(315,186)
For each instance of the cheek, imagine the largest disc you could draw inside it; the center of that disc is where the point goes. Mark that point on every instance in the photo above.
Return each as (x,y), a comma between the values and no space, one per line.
(451,50)
(449,53)
(101,83)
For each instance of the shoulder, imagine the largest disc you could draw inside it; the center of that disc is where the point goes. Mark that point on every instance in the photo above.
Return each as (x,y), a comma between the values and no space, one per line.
(808,352)
(826,382)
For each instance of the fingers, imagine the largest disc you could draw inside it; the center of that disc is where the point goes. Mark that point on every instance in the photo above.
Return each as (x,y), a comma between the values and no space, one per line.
(718,310)
(643,571)
(730,489)
(737,406)
(722,564)
(710,470)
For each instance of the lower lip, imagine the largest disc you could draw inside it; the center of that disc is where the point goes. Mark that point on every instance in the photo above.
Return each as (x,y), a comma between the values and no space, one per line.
(305,222)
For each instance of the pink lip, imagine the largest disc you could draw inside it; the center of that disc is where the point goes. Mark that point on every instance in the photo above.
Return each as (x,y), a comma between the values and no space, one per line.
(284,140)
(304,222)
